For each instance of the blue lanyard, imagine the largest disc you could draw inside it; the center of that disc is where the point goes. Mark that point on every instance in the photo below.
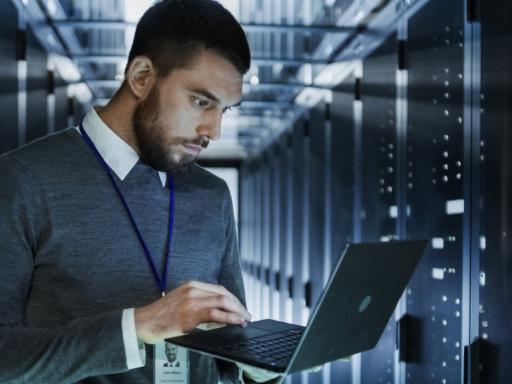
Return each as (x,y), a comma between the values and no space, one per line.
(160,280)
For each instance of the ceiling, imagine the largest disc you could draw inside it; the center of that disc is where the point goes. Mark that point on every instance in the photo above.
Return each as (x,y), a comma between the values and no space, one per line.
(296,46)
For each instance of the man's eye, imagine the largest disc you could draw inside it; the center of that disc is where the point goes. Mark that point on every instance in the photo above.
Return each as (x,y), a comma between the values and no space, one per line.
(225,109)
(202,102)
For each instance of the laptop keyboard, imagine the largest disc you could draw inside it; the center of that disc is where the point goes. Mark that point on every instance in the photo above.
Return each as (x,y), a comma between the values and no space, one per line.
(277,349)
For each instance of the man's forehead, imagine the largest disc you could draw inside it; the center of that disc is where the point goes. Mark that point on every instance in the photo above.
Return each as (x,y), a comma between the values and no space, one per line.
(215,74)
(208,57)
(213,86)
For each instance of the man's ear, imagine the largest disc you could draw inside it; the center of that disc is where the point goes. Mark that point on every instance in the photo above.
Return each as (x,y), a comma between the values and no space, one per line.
(140,76)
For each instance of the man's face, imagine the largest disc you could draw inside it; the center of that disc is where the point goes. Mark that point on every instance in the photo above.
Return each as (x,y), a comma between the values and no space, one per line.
(183,112)
(170,352)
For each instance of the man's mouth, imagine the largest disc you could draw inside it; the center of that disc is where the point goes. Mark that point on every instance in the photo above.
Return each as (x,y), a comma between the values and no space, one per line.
(193,149)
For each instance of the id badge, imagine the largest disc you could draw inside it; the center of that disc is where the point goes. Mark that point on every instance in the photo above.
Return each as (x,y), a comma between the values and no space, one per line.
(171,364)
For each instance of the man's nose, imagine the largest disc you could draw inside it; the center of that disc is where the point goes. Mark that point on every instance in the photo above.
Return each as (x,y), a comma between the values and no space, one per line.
(210,125)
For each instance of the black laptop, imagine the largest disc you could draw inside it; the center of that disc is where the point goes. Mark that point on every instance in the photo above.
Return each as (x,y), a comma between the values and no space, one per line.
(350,316)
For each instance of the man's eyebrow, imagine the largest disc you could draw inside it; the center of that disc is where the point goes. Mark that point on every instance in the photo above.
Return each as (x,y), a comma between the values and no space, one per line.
(212,97)
(206,94)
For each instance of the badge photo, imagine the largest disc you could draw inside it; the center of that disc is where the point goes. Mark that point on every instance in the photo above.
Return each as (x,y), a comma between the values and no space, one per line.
(171,364)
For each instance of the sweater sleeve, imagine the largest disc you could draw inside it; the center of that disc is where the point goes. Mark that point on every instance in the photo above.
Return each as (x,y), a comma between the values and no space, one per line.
(83,347)
(231,278)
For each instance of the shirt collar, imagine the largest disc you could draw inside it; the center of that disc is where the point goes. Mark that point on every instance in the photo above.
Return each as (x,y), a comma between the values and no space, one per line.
(116,152)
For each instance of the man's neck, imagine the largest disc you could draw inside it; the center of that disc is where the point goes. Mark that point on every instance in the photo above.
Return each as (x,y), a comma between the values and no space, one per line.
(117,115)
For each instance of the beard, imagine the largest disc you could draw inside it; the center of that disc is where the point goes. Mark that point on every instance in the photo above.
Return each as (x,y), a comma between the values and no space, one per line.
(155,150)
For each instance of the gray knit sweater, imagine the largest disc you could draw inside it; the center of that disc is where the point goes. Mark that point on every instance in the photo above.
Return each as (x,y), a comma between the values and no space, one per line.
(70,261)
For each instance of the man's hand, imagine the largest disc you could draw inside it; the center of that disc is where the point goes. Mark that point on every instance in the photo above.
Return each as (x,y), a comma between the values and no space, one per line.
(182,309)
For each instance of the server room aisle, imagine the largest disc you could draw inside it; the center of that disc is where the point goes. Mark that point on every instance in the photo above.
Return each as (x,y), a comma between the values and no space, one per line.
(361,121)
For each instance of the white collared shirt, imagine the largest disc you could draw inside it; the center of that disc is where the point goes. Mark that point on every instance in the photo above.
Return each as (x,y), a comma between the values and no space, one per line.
(116,152)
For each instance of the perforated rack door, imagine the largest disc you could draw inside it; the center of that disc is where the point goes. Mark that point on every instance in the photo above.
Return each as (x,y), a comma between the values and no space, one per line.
(495,164)
(379,181)
(318,205)
(300,202)
(342,163)
(37,88)
(285,226)
(8,73)
(61,102)
(435,189)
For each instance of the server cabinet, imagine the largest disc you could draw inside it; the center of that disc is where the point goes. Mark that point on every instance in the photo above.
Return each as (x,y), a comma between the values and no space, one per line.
(300,233)
(275,228)
(245,230)
(78,110)
(342,159)
(299,212)
(255,250)
(342,176)
(9,77)
(248,234)
(317,202)
(258,239)
(285,221)
(493,159)
(316,223)
(434,158)
(61,102)
(266,227)
(380,182)
(37,88)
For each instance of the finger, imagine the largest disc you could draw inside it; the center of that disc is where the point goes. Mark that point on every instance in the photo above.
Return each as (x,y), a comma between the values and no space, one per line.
(201,299)
(219,316)
(198,289)
(224,303)
(212,288)
(200,302)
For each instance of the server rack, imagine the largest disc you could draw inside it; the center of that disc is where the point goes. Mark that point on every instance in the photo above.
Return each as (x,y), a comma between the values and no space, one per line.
(320,185)
(379,212)
(37,88)
(491,146)
(9,57)
(428,157)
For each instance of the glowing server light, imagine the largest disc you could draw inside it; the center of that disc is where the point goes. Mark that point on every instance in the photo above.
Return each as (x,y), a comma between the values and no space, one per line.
(255,80)
(438,243)
(455,207)
(438,273)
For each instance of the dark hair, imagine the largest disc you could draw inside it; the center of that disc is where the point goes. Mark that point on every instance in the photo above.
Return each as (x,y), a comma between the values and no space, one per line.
(172,32)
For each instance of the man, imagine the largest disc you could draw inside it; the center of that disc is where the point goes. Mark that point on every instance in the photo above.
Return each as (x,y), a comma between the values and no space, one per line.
(171,351)
(111,239)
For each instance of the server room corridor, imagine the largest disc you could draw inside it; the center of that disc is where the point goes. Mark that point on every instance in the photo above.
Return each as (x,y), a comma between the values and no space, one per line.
(360,121)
